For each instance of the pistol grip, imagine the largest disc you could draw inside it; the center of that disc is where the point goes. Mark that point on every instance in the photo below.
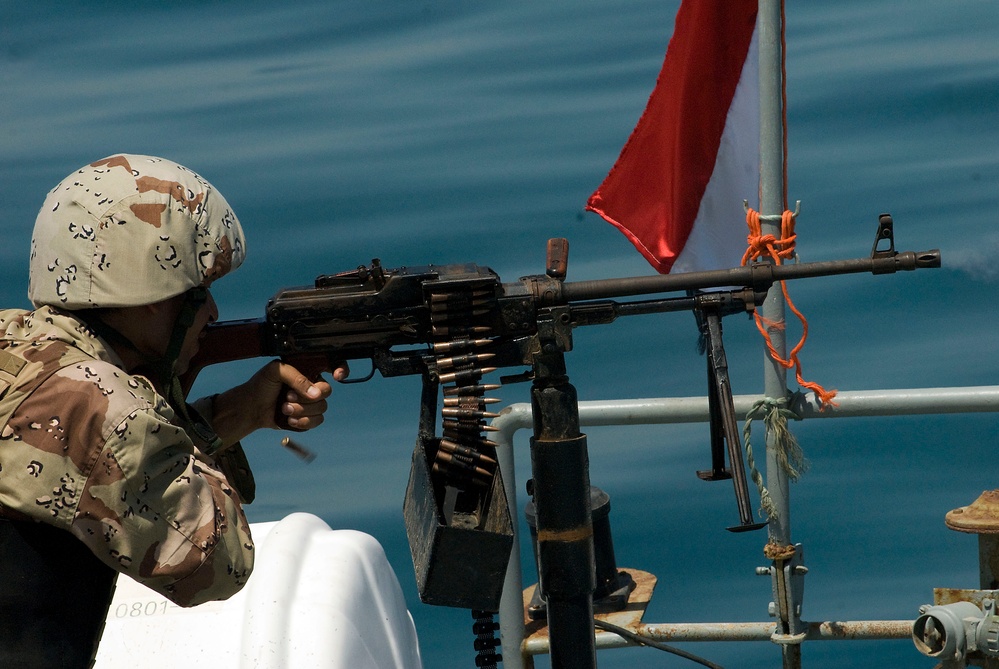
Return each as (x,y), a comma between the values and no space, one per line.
(312,365)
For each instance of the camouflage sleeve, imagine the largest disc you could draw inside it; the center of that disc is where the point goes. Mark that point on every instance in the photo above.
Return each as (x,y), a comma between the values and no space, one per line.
(93,451)
(154,511)
(231,461)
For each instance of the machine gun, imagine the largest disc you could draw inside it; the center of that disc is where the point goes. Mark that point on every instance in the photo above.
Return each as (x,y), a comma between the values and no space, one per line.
(454,324)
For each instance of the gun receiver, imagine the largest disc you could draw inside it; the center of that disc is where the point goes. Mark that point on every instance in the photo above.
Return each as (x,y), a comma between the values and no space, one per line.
(453,324)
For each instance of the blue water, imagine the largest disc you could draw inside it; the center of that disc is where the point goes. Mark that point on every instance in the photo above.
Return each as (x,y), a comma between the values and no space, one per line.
(453,131)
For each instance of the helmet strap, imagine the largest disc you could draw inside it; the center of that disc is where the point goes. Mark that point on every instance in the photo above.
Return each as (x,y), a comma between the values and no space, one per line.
(194,423)
(162,370)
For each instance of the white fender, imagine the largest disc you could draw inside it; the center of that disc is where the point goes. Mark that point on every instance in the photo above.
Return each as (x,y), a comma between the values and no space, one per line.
(318,598)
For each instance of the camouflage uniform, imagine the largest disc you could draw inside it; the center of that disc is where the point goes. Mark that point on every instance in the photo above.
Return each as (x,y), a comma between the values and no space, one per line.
(88,450)
(97,452)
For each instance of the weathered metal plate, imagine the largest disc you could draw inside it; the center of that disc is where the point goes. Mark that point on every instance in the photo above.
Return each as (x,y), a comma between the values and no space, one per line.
(979,517)
(943,596)
(630,617)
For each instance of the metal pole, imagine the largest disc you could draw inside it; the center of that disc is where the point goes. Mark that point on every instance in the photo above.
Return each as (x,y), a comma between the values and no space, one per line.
(772,204)
(851,404)
(838,630)
(988,561)
(511,613)
(787,591)
(561,491)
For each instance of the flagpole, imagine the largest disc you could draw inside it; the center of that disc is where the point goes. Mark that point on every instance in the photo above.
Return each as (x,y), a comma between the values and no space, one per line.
(786,583)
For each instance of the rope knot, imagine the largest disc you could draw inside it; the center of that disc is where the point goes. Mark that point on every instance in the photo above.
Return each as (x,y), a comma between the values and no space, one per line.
(768,246)
(778,552)
(790,458)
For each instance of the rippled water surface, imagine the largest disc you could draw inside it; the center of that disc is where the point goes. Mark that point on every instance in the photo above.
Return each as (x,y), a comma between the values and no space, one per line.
(450,131)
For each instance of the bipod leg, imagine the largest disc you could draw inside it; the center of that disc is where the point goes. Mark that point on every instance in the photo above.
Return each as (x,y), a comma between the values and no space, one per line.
(723,423)
(717,471)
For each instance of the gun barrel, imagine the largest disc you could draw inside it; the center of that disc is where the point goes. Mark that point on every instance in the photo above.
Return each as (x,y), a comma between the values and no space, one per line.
(758,276)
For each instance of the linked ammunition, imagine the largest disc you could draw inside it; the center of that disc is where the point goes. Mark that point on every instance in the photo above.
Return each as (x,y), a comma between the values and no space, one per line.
(462,464)
(465,377)
(456,474)
(464,427)
(457,304)
(456,295)
(481,389)
(443,314)
(459,330)
(474,441)
(469,401)
(461,413)
(460,345)
(466,359)
(460,449)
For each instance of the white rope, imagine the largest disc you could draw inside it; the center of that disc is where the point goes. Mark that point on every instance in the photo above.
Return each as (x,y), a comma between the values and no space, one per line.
(790,458)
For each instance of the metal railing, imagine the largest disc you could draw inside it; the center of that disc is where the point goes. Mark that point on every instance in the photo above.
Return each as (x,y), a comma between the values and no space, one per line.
(517,652)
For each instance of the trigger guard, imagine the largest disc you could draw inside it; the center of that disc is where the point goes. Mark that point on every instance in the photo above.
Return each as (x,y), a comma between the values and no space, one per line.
(362,380)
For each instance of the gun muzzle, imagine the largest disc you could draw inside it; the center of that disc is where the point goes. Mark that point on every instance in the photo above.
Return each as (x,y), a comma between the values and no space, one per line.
(906,262)
(926,259)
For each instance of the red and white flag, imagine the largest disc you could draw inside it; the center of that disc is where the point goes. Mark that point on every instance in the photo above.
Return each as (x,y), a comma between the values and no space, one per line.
(677,188)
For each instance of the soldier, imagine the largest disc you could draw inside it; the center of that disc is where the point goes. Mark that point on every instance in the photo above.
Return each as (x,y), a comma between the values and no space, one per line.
(104,466)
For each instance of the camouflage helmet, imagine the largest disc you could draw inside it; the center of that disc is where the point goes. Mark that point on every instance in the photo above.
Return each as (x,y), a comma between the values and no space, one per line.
(130,230)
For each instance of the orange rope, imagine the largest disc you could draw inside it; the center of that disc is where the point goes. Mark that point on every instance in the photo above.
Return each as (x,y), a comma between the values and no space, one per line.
(768,246)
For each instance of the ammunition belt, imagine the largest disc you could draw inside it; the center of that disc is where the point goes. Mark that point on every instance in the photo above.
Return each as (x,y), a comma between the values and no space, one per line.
(464,457)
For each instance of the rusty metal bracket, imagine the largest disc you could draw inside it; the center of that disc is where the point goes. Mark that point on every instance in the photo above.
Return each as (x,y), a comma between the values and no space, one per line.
(788,576)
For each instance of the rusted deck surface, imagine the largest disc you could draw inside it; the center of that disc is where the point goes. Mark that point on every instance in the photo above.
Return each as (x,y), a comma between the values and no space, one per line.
(630,617)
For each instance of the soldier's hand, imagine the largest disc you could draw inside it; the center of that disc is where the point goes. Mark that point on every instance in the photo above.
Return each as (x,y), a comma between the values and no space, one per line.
(302,402)
(277,394)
